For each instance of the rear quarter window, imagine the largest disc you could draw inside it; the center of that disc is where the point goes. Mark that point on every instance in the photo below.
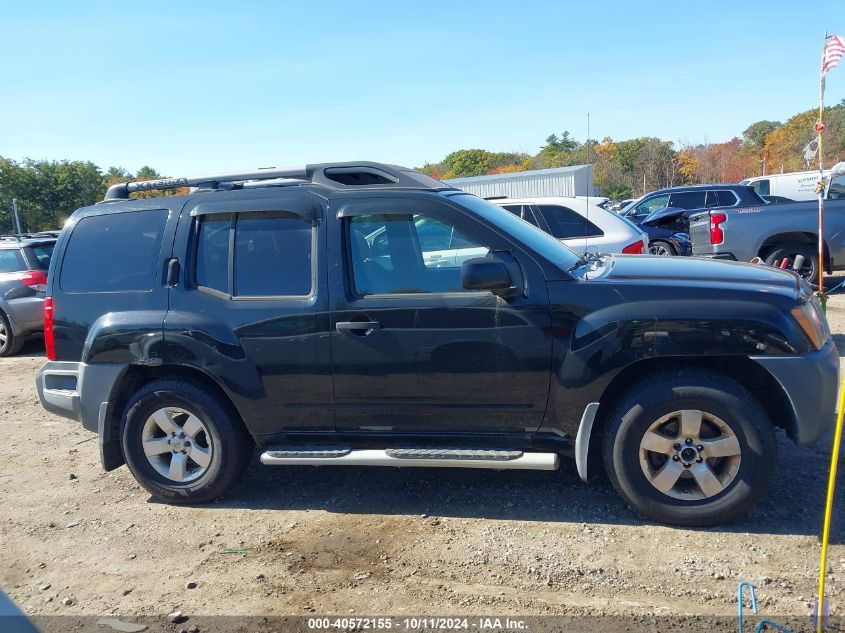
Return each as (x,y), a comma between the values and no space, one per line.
(41,254)
(117,252)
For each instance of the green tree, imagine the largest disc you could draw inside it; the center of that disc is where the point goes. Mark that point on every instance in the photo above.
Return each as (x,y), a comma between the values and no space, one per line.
(756,133)
(47,191)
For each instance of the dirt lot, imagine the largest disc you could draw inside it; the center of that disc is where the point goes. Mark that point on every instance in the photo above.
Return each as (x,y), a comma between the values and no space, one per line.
(382,541)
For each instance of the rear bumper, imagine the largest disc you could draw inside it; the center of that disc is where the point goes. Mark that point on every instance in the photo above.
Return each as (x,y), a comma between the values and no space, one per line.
(83,393)
(26,314)
(811,383)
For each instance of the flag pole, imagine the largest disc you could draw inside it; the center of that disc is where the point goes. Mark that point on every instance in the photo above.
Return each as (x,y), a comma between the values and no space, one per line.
(819,130)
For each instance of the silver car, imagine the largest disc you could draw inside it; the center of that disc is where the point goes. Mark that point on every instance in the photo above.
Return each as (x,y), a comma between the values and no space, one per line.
(580,224)
(24,261)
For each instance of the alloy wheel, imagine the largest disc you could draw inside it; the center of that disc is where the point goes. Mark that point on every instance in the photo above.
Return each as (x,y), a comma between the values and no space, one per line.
(690,455)
(177,444)
(657,248)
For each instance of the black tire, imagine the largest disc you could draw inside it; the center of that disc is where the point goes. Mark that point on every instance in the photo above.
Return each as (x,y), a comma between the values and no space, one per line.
(809,270)
(231,447)
(657,397)
(10,343)
(667,249)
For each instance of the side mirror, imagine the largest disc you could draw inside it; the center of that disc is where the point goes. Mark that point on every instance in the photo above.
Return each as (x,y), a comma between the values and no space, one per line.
(485,273)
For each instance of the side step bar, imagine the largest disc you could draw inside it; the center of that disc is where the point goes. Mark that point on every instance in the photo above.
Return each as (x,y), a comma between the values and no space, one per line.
(410,457)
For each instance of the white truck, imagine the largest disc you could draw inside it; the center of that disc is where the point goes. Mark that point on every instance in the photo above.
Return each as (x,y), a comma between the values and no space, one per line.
(796,185)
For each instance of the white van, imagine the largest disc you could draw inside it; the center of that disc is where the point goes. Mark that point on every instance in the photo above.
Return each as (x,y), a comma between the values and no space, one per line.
(797,185)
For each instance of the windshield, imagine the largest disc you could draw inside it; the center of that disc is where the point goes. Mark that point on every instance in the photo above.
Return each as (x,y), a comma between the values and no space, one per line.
(525,232)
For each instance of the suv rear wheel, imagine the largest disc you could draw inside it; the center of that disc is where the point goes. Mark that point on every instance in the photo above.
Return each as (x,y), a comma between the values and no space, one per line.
(10,343)
(690,448)
(182,444)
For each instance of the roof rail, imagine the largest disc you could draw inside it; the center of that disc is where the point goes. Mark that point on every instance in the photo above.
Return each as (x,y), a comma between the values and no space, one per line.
(331,175)
(29,236)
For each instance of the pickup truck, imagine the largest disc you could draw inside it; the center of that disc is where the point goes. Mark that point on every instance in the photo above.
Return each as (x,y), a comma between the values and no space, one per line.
(365,315)
(777,231)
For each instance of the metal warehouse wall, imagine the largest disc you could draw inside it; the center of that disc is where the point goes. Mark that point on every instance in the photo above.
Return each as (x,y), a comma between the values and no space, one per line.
(563,181)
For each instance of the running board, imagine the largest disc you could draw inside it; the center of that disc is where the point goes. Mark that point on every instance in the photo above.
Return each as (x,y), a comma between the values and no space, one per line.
(410,457)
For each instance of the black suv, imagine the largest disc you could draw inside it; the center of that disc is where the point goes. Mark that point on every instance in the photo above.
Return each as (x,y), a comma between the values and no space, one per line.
(365,314)
(692,197)
(24,261)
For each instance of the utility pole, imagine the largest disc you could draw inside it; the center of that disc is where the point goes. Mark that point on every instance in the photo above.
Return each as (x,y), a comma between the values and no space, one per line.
(763,166)
(16,216)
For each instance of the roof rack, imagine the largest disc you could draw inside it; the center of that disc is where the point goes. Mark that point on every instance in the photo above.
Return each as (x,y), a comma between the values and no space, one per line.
(331,175)
(30,236)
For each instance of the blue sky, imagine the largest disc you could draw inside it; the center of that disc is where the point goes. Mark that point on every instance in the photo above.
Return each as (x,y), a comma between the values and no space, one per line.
(195,87)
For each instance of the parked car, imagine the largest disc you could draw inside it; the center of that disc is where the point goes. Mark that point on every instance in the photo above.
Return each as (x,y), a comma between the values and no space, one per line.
(616,207)
(184,330)
(798,185)
(578,224)
(24,261)
(667,231)
(691,198)
(777,232)
(682,202)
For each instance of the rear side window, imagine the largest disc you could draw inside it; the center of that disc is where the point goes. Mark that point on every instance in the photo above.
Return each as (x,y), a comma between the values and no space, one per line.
(11,261)
(272,254)
(116,252)
(522,211)
(564,223)
(688,200)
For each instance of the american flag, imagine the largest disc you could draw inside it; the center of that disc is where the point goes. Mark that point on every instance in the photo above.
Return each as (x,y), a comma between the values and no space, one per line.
(834,48)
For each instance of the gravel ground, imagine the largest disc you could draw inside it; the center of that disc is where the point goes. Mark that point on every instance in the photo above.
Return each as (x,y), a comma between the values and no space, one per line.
(76,540)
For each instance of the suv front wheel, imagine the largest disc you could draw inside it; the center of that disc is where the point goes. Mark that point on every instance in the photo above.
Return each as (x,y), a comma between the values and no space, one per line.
(690,448)
(181,444)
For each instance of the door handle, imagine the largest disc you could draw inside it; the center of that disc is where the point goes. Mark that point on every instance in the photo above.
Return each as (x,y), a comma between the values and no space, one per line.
(361,327)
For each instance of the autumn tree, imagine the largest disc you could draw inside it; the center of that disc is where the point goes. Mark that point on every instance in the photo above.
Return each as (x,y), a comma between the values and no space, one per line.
(784,146)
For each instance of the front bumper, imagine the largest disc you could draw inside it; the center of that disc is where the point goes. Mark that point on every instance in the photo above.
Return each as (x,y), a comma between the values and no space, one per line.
(83,393)
(811,384)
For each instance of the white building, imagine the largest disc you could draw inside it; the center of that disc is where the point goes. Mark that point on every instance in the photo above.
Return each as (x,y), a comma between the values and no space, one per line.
(571,181)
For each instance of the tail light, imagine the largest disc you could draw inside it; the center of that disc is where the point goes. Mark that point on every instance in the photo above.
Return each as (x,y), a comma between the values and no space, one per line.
(717,235)
(35,279)
(634,249)
(49,339)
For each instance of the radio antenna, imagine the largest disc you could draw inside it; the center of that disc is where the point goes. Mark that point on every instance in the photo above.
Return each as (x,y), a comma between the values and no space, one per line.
(589,187)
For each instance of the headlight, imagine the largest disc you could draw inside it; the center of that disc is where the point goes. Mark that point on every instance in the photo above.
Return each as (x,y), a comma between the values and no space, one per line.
(811,322)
